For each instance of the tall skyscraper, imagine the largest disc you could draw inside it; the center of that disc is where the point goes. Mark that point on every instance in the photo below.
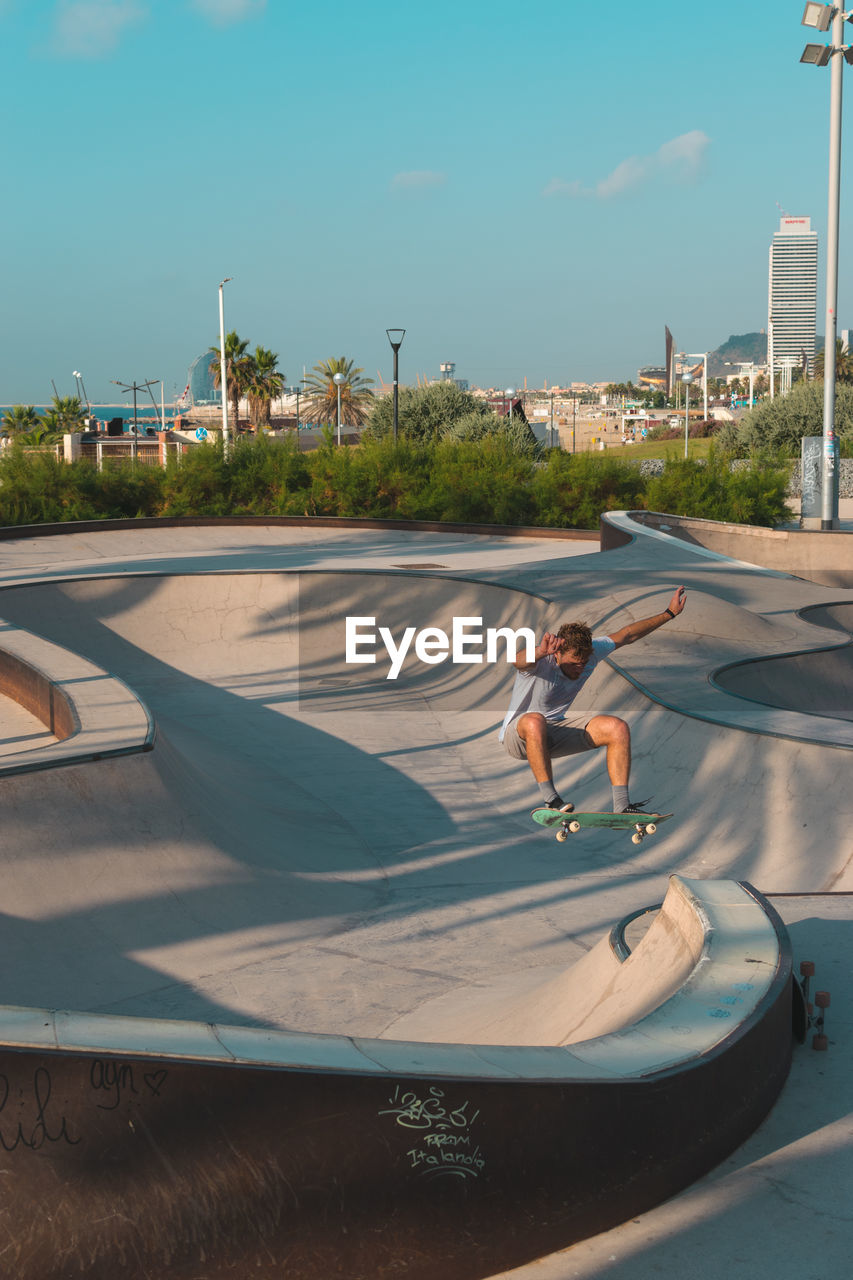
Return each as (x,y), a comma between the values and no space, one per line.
(792,306)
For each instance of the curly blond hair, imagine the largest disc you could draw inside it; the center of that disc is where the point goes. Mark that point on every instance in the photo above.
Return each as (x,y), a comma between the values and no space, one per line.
(576,638)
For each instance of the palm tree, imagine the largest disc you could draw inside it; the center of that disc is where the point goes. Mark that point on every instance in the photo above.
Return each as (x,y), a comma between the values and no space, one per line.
(266,383)
(238,372)
(321,393)
(20,419)
(843,363)
(65,414)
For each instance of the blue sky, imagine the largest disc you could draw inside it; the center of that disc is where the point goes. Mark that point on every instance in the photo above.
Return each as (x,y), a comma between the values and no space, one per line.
(531,190)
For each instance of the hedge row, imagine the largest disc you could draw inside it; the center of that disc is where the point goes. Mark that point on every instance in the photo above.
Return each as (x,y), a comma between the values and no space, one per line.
(477,482)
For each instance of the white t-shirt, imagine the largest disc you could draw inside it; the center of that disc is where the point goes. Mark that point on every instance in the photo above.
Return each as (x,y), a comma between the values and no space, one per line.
(545,689)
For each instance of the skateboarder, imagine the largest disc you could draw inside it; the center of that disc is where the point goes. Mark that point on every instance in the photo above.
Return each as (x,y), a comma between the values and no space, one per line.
(539,725)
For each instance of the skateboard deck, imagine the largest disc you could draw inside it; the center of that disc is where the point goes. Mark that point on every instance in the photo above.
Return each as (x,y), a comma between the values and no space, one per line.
(641,824)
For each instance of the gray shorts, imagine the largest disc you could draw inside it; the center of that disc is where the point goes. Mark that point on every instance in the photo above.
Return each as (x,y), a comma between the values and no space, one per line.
(566,737)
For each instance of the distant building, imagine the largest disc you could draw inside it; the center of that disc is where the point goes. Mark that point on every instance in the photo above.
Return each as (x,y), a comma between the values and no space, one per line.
(505,405)
(447,370)
(653,377)
(792,301)
(200,380)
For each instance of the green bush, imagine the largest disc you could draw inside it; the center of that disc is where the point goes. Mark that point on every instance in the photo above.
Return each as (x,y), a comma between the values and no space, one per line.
(515,433)
(41,489)
(571,490)
(485,482)
(711,490)
(268,478)
(424,412)
(777,426)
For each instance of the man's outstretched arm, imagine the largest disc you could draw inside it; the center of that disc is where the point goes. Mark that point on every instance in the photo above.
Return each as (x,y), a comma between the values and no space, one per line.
(636,630)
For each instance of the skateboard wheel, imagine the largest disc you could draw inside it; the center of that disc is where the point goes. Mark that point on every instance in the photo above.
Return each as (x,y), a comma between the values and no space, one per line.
(637,838)
(562,836)
(574,826)
(807,968)
(820,1042)
(821,999)
(651,828)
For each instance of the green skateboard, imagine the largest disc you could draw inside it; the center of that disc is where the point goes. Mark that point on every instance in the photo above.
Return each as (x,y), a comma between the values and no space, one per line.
(642,824)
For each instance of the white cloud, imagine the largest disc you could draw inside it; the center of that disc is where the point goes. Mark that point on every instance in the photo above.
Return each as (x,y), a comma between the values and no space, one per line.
(225,11)
(679,160)
(93,28)
(417,180)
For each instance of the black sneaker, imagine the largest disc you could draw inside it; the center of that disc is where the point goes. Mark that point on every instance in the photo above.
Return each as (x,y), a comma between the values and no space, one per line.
(639,806)
(558,804)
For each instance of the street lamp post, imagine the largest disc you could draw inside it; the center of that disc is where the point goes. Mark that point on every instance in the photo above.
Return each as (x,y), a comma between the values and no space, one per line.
(823,17)
(686,378)
(339,379)
(510,394)
(395,337)
(222,374)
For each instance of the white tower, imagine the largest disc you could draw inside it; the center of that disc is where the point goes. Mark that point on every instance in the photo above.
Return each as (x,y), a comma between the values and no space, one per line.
(792,303)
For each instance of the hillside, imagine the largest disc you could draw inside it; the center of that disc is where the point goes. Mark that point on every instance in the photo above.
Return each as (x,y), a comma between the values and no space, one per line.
(746,347)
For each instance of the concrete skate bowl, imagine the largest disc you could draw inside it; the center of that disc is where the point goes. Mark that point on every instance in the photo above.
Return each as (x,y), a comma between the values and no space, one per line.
(819,682)
(815,555)
(182,1146)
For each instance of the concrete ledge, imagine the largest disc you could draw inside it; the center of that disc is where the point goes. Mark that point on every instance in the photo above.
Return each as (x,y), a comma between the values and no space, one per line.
(277,1153)
(819,556)
(92,713)
(8,532)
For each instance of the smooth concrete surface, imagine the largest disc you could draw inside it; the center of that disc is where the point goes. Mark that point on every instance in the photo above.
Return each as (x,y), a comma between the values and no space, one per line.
(423,873)
(780,1205)
(20,730)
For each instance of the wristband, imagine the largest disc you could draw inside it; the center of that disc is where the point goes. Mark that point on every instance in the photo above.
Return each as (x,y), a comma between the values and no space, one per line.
(669,611)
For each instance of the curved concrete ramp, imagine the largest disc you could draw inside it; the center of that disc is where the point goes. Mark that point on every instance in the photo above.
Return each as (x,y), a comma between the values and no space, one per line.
(698,925)
(304,852)
(189,1152)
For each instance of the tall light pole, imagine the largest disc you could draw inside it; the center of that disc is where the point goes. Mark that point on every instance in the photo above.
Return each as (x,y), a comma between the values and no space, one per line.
(339,379)
(395,337)
(78,377)
(823,17)
(686,378)
(510,394)
(222,375)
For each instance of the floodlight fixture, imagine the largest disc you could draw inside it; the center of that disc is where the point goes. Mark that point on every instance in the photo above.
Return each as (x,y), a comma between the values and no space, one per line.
(817,55)
(847,50)
(818,16)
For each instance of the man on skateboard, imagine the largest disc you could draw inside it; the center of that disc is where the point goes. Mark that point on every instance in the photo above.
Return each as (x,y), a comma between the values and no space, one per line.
(539,726)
